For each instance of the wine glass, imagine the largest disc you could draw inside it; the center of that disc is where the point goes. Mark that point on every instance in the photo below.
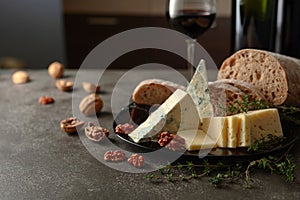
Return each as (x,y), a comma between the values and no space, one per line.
(193,18)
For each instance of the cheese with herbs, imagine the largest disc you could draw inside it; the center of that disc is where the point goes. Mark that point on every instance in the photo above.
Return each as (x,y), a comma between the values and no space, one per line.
(175,114)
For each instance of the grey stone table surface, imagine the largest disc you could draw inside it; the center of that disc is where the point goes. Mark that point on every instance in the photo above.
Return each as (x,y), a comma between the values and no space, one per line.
(39,161)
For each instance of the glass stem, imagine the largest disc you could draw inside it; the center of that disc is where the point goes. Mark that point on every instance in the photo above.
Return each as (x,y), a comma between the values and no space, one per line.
(190,56)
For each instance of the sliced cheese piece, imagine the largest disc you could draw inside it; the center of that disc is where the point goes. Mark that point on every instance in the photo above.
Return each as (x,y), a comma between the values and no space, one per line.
(244,135)
(233,130)
(176,113)
(198,89)
(264,122)
(196,140)
(217,129)
(258,124)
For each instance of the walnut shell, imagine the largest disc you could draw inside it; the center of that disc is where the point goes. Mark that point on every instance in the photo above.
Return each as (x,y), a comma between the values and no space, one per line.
(56,70)
(91,88)
(20,77)
(71,125)
(91,104)
(64,85)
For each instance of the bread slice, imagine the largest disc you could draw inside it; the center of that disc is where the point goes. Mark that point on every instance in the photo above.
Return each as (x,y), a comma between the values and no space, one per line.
(276,76)
(154,91)
(223,96)
(252,92)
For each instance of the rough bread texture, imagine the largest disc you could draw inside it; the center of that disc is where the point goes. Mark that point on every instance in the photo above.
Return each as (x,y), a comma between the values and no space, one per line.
(223,96)
(251,91)
(276,76)
(154,91)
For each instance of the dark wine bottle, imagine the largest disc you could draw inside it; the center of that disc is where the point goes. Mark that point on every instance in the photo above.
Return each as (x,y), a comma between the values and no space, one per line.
(290,43)
(254,24)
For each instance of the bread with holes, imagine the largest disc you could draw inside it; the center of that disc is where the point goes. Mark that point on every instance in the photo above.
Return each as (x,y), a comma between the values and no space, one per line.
(276,76)
(154,91)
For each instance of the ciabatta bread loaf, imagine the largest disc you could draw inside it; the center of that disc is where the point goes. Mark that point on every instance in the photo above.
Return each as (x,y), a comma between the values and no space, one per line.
(154,91)
(276,76)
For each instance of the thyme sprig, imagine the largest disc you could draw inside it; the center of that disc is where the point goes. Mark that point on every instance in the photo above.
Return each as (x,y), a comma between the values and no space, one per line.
(228,171)
(246,104)
(264,144)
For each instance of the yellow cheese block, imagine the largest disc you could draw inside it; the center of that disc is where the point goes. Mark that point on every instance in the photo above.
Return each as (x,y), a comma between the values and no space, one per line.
(233,130)
(264,122)
(243,134)
(216,128)
(196,140)
(242,130)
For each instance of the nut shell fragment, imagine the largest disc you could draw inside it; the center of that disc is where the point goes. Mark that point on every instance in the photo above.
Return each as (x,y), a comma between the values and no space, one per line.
(64,85)
(91,88)
(71,125)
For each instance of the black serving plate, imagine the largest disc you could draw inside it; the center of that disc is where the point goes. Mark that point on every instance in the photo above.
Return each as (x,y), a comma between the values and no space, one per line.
(137,114)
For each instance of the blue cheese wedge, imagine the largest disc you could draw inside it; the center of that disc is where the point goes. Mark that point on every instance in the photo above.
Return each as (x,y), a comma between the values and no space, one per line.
(175,114)
(196,140)
(198,90)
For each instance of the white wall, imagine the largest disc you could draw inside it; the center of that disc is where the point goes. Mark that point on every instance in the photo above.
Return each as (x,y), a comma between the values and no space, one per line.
(135,7)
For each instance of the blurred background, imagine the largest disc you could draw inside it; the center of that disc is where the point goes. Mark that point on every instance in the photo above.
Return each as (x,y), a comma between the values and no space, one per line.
(35,33)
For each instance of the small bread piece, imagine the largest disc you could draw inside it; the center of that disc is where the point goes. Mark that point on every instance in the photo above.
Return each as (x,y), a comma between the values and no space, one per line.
(276,76)
(154,91)
(252,92)
(223,96)
(232,90)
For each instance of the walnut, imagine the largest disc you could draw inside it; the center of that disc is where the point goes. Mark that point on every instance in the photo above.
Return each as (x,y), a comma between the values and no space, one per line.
(176,144)
(95,133)
(91,88)
(56,70)
(136,160)
(91,104)
(172,142)
(114,156)
(124,128)
(46,100)
(164,138)
(71,125)
(20,77)
(64,85)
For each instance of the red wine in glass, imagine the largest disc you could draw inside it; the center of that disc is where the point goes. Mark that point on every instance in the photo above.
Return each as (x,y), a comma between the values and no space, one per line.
(192,22)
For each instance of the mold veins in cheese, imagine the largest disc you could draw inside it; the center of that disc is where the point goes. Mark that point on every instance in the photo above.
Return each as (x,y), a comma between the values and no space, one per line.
(198,89)
(177,113)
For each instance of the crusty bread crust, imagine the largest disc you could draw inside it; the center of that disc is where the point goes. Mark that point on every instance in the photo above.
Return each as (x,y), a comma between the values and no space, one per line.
(154,91)
(276,76)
